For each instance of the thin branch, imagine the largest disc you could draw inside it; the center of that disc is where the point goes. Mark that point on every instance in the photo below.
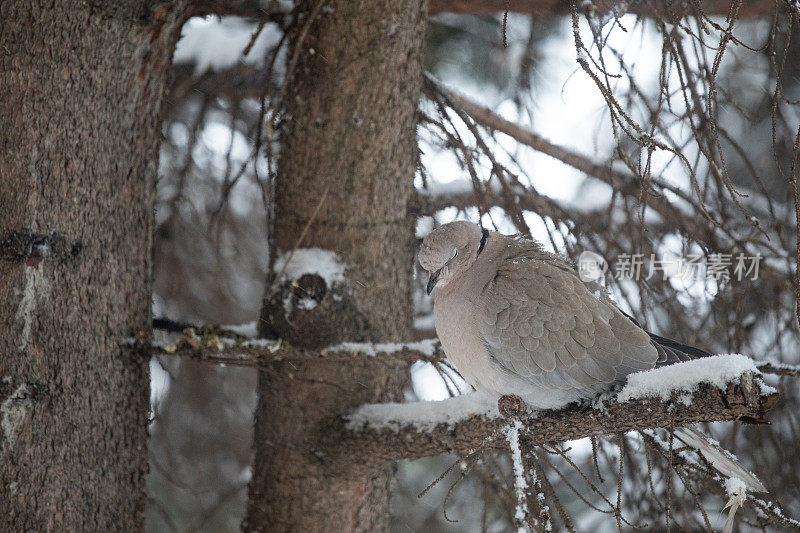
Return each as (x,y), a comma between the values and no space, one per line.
(215,345)
(626,183)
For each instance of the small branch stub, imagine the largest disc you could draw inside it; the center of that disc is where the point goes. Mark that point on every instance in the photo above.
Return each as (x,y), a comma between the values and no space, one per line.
(312,305)
(31,248)
(295,310)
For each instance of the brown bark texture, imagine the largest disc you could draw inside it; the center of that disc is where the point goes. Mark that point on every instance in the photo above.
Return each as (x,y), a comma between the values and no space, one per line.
(347,160)
(345,179)
(81,85)
(298,486)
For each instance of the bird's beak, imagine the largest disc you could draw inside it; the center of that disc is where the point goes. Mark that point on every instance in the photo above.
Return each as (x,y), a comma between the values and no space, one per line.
(432,280)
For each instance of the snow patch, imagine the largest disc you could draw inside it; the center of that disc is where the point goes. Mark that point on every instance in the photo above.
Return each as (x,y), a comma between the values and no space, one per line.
(765,389)
(448,188)
(425,347)
(272,344)
(686,399)
(323,263)
(306,303)
(733,485)
(424,416)
(213,43)
(717,370)
(424,322)
(250,329)
(36,288)
(13,412)
(520,483)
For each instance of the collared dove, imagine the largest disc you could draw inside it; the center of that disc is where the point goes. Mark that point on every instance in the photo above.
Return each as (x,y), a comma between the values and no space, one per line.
(518,323)
(517,320)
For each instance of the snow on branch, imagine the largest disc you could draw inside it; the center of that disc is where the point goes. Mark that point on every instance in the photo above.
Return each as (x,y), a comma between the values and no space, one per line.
(225,345)
(720,388)
(664,382)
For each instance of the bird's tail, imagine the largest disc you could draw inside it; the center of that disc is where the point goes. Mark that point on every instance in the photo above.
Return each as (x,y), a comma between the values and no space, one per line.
(670,351)
(723,461)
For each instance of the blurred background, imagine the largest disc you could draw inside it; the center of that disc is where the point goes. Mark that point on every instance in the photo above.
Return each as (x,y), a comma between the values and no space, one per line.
(718,140)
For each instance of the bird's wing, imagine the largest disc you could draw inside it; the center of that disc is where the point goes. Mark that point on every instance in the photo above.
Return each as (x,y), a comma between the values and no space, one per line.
(541,322)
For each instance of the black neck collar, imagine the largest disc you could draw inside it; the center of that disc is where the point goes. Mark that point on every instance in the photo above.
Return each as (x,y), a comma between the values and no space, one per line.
(484,236)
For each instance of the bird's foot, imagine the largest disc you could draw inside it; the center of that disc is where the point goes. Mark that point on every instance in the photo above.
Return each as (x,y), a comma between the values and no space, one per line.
(511,406)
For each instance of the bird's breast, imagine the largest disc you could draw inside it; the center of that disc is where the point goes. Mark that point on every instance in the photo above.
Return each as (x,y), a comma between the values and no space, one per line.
(457,328)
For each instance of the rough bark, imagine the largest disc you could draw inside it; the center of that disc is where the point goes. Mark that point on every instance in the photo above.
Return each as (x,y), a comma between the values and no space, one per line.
(345,178)
(80,90)
(295,485)
(348,156)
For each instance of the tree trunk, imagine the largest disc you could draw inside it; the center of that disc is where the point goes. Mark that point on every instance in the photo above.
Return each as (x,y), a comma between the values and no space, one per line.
(347,163)
(80,93)
(298,487)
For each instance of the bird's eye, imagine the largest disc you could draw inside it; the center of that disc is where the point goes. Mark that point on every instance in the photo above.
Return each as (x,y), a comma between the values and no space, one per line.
(455,253)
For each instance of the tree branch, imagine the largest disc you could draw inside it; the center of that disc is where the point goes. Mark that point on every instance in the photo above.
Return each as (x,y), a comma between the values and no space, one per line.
(743,400)
(215,345)
(425,204)
(236,82)
(464,425)
(623,182)
(549,8)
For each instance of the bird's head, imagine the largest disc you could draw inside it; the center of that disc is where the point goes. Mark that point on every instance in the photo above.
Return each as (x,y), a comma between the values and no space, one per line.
(449,250)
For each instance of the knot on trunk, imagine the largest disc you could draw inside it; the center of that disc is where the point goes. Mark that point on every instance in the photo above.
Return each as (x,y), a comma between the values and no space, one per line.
(31,248)
(311,286)
(309,313)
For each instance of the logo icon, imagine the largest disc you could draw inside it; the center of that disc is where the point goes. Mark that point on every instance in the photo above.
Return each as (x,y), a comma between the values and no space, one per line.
(591,266)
